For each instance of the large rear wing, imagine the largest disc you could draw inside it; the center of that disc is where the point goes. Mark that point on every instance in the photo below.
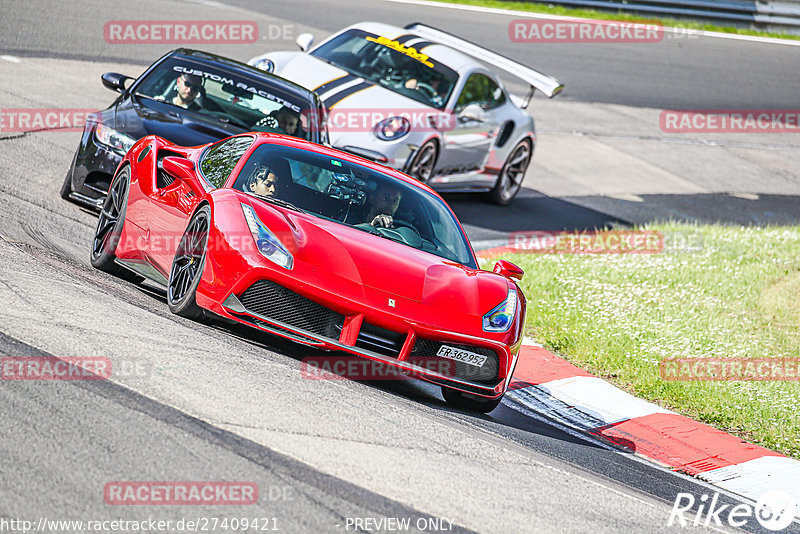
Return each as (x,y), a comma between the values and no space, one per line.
(544,83)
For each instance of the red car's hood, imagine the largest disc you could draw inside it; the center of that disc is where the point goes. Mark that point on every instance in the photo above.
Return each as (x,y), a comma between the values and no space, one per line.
(338,253)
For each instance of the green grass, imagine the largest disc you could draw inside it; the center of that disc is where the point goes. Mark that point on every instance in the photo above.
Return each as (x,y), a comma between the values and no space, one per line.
(715,291)
(551,9)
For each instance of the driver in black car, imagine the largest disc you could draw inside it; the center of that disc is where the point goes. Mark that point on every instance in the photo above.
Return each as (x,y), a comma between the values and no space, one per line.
(187,87)
(382,205)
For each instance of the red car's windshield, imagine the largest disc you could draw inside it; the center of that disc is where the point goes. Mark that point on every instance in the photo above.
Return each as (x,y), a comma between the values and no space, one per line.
(348,193)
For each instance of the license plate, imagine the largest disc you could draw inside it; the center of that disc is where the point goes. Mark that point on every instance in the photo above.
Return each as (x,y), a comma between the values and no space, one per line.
(461,355)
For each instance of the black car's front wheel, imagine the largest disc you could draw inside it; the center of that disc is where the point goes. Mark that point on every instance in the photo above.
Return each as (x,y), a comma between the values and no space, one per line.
(187,267)
(509,181)
(109,227)
(465,401)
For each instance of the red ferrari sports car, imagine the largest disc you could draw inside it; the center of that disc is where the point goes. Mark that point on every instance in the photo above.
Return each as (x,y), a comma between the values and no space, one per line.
(317,246)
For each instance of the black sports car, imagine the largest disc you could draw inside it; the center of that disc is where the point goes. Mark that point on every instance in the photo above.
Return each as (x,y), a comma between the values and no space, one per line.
(189,98)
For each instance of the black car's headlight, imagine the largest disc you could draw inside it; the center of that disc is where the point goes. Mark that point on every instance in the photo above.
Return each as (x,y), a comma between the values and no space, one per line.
(267,244)
(501,317)
(113,139)
(392,128)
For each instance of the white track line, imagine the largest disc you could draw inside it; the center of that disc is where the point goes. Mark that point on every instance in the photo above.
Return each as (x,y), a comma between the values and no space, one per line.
(531,15)
(578,404)
(755,477)
(578,432)
(599,399)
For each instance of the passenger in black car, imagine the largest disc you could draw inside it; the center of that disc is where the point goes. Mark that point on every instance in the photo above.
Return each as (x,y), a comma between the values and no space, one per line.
(287,120)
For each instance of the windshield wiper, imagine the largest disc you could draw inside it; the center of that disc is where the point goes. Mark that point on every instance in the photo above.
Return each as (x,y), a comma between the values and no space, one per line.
(140,95)
(172,113)
(230,120)
(160,100)
(348,70)
(279,202)
(326,60)
(374,231)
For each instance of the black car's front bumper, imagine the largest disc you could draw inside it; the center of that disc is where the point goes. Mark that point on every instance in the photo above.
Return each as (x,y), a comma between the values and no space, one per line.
(92,169)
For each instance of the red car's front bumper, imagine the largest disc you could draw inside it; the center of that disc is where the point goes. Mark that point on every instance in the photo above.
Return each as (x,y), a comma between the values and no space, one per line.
(417,363)
(322,305)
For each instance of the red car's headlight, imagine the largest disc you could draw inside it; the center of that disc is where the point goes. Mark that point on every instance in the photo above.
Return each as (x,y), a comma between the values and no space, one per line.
(267,244)
(501,317)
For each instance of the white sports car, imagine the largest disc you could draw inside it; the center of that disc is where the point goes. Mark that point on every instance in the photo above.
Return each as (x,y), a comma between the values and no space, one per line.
(417,99)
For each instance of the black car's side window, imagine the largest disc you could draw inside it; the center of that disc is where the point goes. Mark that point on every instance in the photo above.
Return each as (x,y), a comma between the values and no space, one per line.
(219,160)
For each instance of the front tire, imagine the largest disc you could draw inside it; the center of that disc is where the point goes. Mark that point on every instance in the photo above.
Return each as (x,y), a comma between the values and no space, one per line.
(509,181)
(465,401)
(424,161)
(188,265)
(109,228)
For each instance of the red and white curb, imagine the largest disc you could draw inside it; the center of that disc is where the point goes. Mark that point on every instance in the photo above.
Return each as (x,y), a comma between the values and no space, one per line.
(550,386)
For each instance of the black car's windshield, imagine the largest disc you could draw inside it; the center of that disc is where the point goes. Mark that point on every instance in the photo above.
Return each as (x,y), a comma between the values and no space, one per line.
(228,97)
(357,196)
(401,68)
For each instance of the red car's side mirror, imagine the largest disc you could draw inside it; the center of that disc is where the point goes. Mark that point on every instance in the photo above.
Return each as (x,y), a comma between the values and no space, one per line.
(180,168)
(508,269)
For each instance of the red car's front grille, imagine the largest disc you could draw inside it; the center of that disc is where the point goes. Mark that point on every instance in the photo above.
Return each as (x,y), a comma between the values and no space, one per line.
(270,300)
(273,301)
(380,340)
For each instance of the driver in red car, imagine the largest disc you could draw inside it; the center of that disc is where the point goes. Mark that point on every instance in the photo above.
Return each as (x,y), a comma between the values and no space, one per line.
(262,181)
(383,204)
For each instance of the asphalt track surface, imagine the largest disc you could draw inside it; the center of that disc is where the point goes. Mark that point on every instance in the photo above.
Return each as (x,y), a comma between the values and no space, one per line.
(198,402)
(675,73)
